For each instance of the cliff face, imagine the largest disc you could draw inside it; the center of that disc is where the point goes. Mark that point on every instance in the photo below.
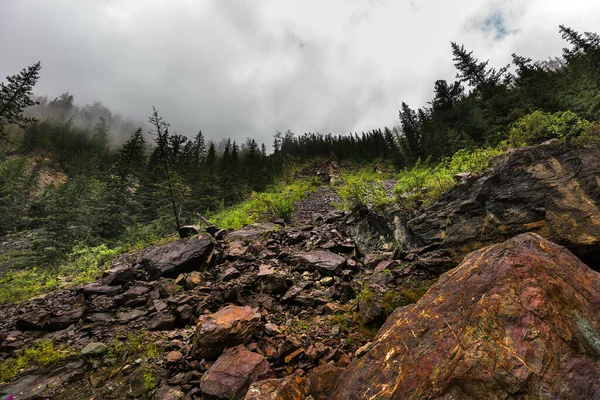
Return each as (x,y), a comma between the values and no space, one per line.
(520,318)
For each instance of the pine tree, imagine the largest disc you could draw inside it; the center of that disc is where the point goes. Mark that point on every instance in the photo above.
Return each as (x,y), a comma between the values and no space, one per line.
(161,129)
(15,96)
(475,73)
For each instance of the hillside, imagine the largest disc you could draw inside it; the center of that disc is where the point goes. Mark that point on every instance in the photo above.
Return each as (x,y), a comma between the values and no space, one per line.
(302,297)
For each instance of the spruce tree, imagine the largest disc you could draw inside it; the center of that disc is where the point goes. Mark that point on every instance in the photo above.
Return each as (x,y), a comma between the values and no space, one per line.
(16,95)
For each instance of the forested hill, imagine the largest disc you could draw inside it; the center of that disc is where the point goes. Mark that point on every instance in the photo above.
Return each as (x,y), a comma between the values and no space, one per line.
(64,189)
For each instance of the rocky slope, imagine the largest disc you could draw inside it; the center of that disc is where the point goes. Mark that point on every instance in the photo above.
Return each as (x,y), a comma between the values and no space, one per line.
(283,292)
(276,311)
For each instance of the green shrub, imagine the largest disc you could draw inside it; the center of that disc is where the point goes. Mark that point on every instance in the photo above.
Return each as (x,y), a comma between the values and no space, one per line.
(392,300)
(363,190)
(539,126)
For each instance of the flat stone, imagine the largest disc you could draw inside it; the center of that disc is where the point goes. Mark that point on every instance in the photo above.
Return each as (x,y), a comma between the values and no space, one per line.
(233,373)
(100,290)
(167,392)
(228,327)
(93,349)
(177,257)
(229,274)
(173,357)
(325,262)
(192,280)
(162,321)
(128,316)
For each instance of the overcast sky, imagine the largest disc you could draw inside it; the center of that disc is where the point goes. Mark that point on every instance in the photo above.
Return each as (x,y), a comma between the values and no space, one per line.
(246,68)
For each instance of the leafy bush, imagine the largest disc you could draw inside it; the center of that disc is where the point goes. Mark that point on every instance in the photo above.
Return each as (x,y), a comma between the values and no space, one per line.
(539,126)
(42,354)
(278,202)
(363,190)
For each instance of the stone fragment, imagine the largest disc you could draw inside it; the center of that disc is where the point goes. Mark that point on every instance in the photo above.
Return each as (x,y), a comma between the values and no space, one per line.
(325,262)
(289,388)
(322,381)
(93,349)
(162,321)
(231,375)
(228,327)
(177,257)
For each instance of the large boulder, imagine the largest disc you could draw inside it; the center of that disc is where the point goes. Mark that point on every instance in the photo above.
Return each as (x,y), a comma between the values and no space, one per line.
(517,319)
(552,190)
(326,262)
(227,327)
(177,257)
(231,375)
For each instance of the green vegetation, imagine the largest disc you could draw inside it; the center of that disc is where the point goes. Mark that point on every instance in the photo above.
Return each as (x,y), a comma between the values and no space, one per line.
(149,380)
(363,189)
(392,300)
(427,183)
(277,202)
(140,345)
(43,354)
(539,126)
(84,264)
(365,294)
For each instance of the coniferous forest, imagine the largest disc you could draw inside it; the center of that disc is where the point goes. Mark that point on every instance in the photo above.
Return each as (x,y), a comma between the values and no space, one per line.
(76,177)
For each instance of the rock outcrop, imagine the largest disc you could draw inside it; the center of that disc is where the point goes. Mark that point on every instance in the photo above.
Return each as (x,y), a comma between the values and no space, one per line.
(553,190)
(516,319)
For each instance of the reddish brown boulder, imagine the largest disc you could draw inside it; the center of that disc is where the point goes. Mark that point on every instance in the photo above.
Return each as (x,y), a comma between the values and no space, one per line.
(517,319)
(289,388)
(228,327)
(231,375)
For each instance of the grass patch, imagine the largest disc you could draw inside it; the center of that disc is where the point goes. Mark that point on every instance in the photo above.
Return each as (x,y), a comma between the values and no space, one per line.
(43,354)
(83,265)
(277,202)
(135,346)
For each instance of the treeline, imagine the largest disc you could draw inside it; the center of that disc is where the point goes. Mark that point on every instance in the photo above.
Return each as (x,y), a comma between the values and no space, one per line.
(478,109)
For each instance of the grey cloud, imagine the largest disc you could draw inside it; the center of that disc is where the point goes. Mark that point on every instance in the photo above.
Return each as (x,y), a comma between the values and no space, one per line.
(245,68)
